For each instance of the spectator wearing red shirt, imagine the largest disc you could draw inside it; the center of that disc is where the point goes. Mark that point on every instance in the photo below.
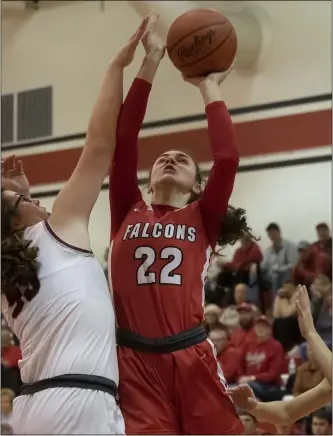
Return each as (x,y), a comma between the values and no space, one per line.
(318,257)
(10,354)
(261,362)
(227,355)
(247,254)
(247,313)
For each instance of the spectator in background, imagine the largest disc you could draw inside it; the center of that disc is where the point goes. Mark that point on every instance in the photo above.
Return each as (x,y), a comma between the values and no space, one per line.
(230,319)
(261,363)
(308,375)
(247,314)
(10,355)
(247,254)
(322,421)
(105,258)
(7,398)
(323,317)
(318,256)
(212,315)
(279,259)
(285,325)
(300,274)
(227,355)
(249,423)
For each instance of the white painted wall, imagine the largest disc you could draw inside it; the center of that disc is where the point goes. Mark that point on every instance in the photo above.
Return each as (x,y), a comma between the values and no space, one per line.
(68,46)
(296,197)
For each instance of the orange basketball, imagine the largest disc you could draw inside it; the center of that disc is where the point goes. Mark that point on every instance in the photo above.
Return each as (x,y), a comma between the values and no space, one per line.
(200,42)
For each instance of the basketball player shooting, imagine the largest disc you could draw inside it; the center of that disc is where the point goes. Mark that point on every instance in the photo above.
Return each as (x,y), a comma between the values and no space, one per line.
(170,381)
(54,293)
(288,412)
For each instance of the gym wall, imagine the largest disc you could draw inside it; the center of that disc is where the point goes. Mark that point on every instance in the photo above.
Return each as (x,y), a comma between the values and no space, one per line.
(282,114)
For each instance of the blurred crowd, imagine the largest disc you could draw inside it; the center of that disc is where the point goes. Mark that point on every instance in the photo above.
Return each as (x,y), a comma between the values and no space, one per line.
(251,317)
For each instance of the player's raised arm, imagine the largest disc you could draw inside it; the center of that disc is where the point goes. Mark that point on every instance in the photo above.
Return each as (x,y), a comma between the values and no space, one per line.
(215,198)
(318,347)
(73,205)
(282,412)
(123,189)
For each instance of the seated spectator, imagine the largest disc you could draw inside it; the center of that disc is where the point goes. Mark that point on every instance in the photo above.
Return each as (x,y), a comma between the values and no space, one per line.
(7,398)
(300,274)
(227,355)
(318,256)
(290,429)
(6,429)
(285,325)
(249,423)
(261,362)
(308,375)
(230,319)
(318,287)
(247,314)
(321,422)
(212,314)
(279,259)
(247,254)
(10,355)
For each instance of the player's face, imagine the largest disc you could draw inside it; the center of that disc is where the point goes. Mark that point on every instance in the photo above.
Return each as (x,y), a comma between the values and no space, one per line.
(263,331)
(174,169)
(27,211)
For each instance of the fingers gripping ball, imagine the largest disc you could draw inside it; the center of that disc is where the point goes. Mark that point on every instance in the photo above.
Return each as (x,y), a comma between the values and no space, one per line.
(200,42)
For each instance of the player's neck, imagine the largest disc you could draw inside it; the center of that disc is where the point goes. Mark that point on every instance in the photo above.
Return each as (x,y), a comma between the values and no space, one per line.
(170,197)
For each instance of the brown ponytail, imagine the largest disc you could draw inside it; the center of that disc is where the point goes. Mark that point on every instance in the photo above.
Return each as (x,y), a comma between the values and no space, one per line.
(19,266)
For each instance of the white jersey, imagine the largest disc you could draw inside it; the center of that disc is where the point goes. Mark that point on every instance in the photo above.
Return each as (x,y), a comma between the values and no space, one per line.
(67,328)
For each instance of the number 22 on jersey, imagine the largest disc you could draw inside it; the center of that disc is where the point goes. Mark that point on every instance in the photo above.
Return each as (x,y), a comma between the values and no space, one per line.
(146,275)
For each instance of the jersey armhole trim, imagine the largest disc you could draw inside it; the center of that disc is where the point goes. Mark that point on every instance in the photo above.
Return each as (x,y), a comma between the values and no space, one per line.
(55,237)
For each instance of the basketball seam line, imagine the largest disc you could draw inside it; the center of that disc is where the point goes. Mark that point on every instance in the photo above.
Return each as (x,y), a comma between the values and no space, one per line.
(196,30)
(208,54)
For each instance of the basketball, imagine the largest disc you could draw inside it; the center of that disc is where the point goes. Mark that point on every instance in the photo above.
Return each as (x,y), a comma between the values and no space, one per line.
(200,42)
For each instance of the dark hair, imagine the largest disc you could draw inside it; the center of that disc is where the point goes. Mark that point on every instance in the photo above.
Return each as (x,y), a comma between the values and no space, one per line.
(272,226)
(323,226)
(324,413)
(19,266)
(233,226)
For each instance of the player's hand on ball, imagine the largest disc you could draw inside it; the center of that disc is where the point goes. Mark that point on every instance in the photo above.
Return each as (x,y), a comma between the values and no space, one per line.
(305,319)
(243,397)
(127,51)
(151,42)
(217,78)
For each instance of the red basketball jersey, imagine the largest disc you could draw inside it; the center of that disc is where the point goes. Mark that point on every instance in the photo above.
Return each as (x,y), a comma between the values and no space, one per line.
(158,264)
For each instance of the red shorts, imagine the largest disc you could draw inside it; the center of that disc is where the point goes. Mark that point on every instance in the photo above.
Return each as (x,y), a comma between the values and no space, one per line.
(176,393)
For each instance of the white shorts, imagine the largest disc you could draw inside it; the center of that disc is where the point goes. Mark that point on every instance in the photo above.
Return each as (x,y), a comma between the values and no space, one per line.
(67,411)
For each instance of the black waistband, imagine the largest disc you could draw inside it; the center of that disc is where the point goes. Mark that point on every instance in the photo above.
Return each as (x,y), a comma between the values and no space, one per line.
(168,344)
(93,382)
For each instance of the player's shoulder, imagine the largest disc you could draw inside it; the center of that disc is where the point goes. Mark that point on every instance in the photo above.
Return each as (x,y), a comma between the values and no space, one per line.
(33,233)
